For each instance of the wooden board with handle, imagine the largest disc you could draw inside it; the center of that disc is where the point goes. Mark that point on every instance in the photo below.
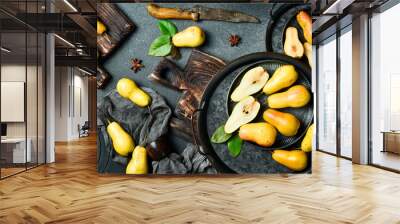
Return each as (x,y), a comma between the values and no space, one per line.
(118,25)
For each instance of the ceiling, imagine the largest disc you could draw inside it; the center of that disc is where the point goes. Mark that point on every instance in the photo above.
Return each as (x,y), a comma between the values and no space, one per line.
(332,15)
(75,21)
(72,20)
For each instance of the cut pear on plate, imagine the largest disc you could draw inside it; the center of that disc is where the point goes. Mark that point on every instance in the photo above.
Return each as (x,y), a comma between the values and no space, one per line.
(252,82)
(243,112)
(293,47)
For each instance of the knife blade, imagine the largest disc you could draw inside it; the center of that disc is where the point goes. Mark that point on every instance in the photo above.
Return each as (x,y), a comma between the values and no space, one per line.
(206,13)
(200,13)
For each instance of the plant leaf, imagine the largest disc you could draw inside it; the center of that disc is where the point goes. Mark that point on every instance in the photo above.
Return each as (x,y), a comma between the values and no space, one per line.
(219,135)
(167,28)
(161,46)
(235,146)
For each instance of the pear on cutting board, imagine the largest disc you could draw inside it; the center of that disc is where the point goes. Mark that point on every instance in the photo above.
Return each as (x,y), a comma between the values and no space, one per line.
(252,82)
(243,112)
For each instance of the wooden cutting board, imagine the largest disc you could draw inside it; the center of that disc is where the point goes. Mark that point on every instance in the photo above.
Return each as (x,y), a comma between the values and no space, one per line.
(118,25)
(191,81)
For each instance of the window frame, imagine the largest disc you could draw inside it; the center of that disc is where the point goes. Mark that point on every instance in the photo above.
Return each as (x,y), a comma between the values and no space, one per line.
(334,37)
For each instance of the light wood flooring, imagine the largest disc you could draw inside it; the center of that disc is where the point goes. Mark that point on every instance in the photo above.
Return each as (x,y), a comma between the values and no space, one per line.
(71,191)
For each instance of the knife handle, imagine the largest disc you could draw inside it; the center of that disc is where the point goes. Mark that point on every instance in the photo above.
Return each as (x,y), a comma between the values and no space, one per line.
(171,13)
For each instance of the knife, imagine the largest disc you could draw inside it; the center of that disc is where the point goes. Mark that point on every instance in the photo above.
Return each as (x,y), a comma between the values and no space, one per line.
(200,13)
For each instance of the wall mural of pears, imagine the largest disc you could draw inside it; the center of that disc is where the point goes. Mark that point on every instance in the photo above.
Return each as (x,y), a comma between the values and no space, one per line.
(252,114)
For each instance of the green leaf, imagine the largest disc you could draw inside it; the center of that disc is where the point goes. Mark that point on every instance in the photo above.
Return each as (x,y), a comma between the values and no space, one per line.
(161,46)
(167,28)
(220,136)
(235,146)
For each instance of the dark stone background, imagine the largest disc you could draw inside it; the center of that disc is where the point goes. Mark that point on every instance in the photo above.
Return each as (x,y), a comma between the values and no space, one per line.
(217,44)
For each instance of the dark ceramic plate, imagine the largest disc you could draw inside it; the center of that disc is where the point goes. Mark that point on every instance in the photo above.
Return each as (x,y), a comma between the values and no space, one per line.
(283,18)
(293,22)
(304,114)
(213,112)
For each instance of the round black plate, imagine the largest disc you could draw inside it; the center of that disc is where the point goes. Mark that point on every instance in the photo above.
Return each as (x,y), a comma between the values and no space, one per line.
(288,18)
(304,114)
(213,113)
(293,22)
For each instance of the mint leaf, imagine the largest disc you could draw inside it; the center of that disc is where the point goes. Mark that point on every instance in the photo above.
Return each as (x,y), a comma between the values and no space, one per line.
(167,28)
(220,136)
(161,46)
(235,146)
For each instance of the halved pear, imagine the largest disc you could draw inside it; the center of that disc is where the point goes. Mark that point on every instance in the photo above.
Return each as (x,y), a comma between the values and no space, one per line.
(293,47)
(252,82)
(243,112)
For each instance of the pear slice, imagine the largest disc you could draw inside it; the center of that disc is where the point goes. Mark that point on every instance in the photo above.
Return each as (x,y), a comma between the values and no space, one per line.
(293,47)
(243,112)
(252,82)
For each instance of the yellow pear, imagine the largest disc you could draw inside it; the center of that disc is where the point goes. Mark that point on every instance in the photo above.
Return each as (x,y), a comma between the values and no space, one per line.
(101,28)
(308,52)
(293,46)
(283,77)
(129,90)
(295,159)
(261,133)
(286,123)
(138,163)
(296,96)
(306,144)
(192,36)
(305,21)
(122,142)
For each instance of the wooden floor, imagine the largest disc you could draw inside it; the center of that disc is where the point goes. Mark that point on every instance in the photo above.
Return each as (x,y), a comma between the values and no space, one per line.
(71,191)
(5,172)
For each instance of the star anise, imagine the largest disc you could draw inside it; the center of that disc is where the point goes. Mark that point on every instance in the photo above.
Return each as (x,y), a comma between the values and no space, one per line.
(234,40)
(136,65)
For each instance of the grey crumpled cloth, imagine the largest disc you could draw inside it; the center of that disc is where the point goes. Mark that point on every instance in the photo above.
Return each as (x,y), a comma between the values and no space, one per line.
(190,161)
(145,125)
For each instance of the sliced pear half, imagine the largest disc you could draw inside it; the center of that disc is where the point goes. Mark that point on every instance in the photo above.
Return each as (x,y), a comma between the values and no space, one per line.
(293,47)
(252,82)
(243,112)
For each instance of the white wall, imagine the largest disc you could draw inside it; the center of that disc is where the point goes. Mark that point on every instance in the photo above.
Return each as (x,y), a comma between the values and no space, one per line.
(70,83)
(33,126)
(16,73)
